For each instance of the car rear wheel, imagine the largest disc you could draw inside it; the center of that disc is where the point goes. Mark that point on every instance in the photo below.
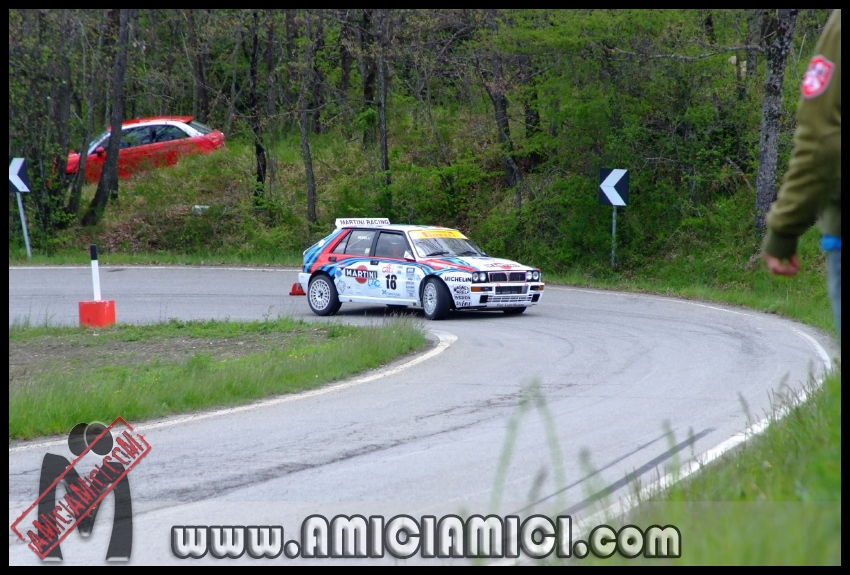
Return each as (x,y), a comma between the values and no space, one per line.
(435,299)
(322,296)
(514,310)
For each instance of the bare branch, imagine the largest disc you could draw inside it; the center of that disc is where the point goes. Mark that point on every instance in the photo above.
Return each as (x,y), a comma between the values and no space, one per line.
(686,58)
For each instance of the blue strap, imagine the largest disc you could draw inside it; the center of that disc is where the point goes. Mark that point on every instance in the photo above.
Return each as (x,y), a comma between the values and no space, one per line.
(830,243)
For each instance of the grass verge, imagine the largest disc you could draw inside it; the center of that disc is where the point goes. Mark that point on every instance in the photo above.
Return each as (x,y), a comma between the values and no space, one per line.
(777,501)
(59,376)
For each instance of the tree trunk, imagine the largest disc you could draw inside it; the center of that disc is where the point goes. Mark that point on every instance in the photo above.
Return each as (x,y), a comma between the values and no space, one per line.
(367,73)
(254,106)
(532,114)
(270,64)
(201,105)
(345,57)
(304,122)
(781,38)
(80,178)
(107,186)
(383,79)
(316,88)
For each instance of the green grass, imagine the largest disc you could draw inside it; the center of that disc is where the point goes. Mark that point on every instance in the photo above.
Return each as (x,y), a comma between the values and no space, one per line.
(51,397)
(18,257)
(776,501)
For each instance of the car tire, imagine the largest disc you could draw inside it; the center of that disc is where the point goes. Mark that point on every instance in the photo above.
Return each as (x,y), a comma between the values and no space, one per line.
(514,310)
(435,299)
(322,295)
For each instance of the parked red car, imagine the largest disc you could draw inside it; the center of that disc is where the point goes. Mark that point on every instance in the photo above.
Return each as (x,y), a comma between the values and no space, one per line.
(149,142)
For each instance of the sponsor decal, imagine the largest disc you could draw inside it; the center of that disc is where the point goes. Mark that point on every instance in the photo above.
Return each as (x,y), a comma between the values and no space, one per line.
(411,273)
(817,77)
(461,279)
(361,274)
(461,297)
(373,283)
(387,268)
(502,266)
(387,293)
(461,289)
(340,285)
(421,234)
(342,222)
(462,304)
(337,273)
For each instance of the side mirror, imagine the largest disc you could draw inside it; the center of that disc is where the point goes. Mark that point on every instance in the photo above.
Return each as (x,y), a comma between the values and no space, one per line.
(100,151)
(409,256)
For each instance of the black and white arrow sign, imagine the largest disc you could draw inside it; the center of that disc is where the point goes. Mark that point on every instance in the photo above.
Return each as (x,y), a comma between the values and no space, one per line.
(613,187)
(18,180)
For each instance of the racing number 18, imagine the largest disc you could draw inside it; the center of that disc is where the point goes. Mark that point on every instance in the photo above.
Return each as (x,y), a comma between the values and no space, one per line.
(390,281)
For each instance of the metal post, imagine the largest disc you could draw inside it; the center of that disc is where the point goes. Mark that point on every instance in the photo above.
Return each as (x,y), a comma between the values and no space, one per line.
(95,273)
(613,234)
(24,224)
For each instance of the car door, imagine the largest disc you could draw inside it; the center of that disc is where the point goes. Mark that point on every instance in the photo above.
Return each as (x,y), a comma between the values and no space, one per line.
(390,250)
(134,151)
(357,274)
(169,143)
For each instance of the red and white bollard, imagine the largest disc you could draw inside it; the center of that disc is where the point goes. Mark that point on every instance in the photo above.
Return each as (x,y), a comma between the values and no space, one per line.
(96,313)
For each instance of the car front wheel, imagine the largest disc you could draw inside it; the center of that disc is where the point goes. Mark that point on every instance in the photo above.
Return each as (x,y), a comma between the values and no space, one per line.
(322,296)
(435,299)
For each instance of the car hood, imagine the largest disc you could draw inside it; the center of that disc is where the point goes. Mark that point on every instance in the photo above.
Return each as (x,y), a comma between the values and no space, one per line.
(477,264)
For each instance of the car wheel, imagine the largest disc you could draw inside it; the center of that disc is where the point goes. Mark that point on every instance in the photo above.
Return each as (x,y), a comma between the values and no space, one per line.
(514,310)
(322,296)
(435,299)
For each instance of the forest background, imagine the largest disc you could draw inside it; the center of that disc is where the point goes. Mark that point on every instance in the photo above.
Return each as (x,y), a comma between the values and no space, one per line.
(496,122)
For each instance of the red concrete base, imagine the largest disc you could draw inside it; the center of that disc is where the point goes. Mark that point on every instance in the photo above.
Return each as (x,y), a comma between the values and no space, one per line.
(97,313)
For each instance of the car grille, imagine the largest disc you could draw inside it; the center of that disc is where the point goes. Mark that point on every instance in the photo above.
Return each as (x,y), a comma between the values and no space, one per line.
(507,277)
(511,289)
(509,299)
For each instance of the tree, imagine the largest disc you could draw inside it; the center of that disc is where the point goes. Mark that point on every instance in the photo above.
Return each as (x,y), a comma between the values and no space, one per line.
(777,44)
(307,81)
(107,186)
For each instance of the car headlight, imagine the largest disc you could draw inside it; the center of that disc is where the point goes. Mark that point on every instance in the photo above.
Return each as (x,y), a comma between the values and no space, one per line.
(528,276)
(535,276)
(479,277)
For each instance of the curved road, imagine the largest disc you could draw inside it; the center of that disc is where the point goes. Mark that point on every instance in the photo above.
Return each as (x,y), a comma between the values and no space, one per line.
(631,384)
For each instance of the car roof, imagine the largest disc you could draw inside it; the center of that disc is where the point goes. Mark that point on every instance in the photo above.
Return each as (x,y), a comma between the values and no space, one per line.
(396,227)
(184,119)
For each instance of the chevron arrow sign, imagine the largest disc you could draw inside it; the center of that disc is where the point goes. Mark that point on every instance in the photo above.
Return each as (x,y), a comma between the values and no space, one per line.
(613,187)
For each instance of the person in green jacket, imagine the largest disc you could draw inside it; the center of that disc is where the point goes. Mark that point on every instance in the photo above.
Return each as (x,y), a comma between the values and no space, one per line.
(811,188)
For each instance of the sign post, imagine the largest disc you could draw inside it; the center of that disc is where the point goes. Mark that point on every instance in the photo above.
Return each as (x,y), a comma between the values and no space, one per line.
(613,191)
(18,184)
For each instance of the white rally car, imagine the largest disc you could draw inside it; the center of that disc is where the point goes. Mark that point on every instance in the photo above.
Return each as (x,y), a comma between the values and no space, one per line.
(437,269)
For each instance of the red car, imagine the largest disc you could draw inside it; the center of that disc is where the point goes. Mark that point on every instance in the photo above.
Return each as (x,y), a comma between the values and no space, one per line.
(149,142)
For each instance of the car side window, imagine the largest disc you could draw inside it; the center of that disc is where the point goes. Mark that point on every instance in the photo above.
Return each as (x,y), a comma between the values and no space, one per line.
(360,242)
(391,245)
(340,247)
(168,133)
(135,137)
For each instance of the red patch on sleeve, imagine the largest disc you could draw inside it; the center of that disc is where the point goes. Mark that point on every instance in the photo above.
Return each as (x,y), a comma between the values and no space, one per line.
(817,77)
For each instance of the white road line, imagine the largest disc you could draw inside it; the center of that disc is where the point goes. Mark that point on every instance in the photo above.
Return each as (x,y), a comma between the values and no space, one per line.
(446,339)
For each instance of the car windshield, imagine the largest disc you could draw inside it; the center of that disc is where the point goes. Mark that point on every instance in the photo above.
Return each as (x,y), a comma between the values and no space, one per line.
(97,141)
(443,243)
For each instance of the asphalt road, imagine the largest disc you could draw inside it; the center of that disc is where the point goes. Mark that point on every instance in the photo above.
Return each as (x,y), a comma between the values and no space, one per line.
(627,386)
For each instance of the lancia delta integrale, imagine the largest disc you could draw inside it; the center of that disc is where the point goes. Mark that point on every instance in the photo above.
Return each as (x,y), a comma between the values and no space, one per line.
(433,268)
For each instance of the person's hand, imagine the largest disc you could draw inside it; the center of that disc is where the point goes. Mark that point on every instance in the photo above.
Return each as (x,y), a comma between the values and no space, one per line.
(779,268)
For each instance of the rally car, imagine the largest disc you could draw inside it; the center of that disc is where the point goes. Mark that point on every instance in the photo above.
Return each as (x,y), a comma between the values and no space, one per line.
(437,269)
